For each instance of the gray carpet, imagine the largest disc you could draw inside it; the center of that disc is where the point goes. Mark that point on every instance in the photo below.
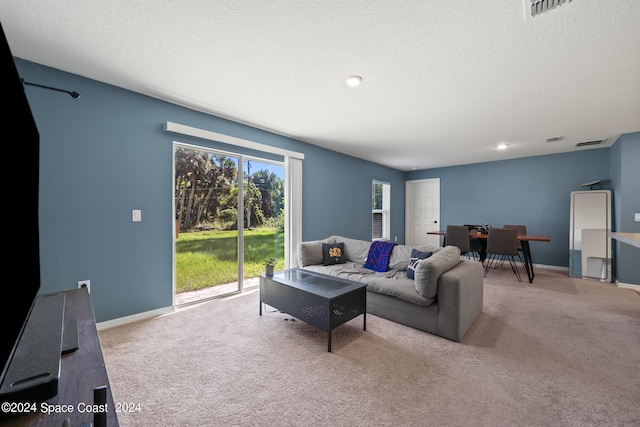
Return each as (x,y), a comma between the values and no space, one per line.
(558,352)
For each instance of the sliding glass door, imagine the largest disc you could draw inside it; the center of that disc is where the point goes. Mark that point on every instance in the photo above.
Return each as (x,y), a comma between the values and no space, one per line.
(221,239)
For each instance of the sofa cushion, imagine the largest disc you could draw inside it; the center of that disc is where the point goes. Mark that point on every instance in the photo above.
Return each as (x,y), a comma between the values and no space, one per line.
(310,253)
(428,271)
(399,287)
(416,257)
(349,270)
(354,250)
(399,259)
(333,253)
(401,254)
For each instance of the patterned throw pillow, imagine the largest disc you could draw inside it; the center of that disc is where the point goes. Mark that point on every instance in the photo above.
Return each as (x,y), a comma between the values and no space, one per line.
(416,257)
(333,253)
(379,254)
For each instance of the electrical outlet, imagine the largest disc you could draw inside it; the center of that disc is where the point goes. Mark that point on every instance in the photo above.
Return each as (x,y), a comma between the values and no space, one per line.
(85,284)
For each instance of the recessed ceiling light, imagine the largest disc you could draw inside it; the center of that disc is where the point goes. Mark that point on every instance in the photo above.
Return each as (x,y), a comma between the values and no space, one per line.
(353,81)
(502,146)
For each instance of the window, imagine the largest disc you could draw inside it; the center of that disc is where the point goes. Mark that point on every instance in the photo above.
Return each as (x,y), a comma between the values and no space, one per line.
(380,215)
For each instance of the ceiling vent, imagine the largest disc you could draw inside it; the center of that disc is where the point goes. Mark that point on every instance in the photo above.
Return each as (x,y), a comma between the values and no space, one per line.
(538,7)
(589,143)
(554,139)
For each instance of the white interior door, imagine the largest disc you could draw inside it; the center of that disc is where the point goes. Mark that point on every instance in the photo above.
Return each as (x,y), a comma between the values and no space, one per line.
(422,209)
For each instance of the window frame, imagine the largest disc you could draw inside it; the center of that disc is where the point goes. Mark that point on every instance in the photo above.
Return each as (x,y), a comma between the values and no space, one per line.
(385,211)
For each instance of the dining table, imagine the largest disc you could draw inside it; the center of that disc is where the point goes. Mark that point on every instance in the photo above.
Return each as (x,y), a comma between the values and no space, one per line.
(524,243)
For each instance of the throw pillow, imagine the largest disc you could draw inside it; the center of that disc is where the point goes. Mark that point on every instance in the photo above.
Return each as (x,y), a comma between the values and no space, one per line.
(379,254)
(416,257)
(333,253)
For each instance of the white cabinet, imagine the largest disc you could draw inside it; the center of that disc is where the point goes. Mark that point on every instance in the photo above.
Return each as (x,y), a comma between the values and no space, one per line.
(589,243)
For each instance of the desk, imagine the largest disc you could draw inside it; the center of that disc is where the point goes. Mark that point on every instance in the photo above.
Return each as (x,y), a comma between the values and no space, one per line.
(524,241)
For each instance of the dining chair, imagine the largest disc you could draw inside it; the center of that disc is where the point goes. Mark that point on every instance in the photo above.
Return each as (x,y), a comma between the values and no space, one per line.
(477,245)
(521,229)
(458,235)
(502,243)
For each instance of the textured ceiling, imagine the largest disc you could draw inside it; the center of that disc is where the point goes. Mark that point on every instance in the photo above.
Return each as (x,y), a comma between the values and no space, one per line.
(444,81)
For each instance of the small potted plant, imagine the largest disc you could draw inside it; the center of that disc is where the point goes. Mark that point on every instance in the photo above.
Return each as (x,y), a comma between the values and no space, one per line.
(269,264)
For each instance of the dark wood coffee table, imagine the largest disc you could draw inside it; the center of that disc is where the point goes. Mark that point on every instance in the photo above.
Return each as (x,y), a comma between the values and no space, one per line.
(325,302)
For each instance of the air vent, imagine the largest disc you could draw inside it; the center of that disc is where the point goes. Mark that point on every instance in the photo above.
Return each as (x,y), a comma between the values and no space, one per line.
(537,7)
(588,143)
(554,139)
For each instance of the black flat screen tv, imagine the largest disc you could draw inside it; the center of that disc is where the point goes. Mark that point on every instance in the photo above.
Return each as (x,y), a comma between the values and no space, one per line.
(20,295)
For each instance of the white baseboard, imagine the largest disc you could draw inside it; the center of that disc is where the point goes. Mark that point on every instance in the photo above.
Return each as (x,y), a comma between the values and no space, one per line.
(550,267)
(162,311)
(134,318)
(560,268)
(168,310)
(628,285)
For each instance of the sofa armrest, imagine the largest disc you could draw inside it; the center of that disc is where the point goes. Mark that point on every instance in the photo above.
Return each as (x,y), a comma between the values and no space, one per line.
(460,299)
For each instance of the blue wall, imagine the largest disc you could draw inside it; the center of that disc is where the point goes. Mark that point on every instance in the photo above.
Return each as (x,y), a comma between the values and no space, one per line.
(625,179)
(106,153)
(337,190)
(534,191)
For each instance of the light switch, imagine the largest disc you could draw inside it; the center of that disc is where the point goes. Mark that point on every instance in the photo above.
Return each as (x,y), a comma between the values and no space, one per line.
(638,217)
(136,215)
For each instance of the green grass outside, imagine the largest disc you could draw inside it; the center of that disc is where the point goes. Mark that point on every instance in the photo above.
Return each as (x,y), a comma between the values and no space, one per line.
(209,258)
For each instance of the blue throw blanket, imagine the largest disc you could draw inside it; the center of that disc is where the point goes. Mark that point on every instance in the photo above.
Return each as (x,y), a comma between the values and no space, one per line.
(378,258)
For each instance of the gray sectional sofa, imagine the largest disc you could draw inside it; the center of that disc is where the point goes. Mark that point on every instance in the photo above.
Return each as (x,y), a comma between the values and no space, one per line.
(443,298)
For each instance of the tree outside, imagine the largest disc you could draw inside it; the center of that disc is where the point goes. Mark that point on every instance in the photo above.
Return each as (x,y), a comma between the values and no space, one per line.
(206,200)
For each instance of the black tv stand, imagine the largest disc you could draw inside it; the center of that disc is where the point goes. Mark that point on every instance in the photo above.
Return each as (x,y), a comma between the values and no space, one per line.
(83,376)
